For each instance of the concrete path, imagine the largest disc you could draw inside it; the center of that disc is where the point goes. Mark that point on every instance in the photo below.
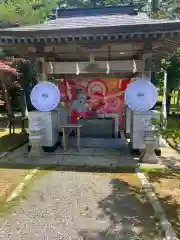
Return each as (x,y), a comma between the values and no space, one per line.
(70,205)
(170,157)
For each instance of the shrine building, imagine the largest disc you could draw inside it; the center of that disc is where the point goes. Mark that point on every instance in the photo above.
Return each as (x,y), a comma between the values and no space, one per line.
(93,54)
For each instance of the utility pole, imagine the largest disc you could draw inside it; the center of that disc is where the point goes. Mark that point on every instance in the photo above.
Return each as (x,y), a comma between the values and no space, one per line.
(93,3)
(154,6)
(164,107)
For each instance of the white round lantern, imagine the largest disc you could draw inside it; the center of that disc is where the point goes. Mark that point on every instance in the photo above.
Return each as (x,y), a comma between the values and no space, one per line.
(141,95)
(45,96)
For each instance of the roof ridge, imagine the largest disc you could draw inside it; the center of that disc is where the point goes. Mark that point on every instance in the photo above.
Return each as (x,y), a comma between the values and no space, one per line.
(129,9)
(139,16)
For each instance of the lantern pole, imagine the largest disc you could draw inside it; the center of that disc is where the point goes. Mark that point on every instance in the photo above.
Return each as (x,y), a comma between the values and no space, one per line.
(164,107)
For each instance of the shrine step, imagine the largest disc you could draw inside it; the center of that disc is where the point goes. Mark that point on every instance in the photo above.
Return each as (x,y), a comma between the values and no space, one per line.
(100,143)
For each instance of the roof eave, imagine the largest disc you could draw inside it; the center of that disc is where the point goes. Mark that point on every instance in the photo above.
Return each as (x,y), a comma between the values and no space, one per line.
(145,28)
(114,33)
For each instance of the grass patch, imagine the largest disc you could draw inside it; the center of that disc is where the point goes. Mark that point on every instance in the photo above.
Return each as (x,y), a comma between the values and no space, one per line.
(173,122)
(5,131)
(153,169)
(9,179)
(174,125)
(7,208)
(95,169)
(9,142)
(71,168)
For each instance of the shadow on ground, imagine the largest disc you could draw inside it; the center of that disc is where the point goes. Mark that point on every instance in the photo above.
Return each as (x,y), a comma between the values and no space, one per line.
(171,161)
(123,169)
(167,187)
(130,215)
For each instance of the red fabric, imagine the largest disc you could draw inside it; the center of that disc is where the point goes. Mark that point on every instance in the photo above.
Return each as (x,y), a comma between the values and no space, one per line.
(103,95)
(6,68)
(124,84)
(96,100)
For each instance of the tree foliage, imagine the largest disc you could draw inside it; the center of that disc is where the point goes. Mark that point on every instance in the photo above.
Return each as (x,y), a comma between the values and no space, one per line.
(27,77)
(172,65)
(25,11)
(24,81)
(169,9)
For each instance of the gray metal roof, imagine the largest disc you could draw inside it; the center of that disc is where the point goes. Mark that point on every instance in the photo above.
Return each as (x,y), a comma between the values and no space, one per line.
(114,27)
(87,22)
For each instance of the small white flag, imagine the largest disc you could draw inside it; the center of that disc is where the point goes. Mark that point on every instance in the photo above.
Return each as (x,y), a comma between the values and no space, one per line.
(77,69)
(108,68)
(51,68)
(134,66)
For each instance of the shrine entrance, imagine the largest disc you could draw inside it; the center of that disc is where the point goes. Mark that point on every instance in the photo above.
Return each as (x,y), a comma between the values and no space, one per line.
(93,54)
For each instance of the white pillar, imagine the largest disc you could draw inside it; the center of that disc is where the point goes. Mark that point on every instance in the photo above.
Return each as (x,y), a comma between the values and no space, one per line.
(164,110)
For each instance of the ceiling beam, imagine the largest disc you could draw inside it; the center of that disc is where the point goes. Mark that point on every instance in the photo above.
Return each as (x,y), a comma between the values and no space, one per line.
(177,43)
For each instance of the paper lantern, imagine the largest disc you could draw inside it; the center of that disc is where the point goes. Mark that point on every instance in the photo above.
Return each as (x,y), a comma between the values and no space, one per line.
(45,96)
(141,95)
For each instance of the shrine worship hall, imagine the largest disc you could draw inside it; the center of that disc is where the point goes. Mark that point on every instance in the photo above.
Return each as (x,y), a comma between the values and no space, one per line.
(92,55)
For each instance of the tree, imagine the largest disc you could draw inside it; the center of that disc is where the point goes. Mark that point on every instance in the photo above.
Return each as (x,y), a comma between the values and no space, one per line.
(13,13)
(25,11)
(169,9)
(7,75)
(18,76)
(172,65)
(27,78)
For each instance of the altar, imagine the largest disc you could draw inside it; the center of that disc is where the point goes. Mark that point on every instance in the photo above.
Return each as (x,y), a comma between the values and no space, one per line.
(100,126)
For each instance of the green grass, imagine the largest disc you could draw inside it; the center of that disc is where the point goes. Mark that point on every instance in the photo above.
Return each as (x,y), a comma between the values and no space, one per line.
(173,98)
(8,142)
(173,123)
(153,169)
(5,131)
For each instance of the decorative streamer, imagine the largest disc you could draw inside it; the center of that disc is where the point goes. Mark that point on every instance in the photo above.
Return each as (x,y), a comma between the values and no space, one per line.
(134,66)
(77,69)
(108,68)
(51,68)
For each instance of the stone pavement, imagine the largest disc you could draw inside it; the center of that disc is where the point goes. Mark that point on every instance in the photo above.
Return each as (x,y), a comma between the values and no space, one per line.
(87,157)
(170,157)
(99,155)
(77,206)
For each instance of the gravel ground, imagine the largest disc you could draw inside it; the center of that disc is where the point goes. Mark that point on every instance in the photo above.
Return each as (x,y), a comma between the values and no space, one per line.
(69,205)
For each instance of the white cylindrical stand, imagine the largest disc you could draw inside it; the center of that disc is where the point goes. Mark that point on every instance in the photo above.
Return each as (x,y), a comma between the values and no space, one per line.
(35,137)
(148,155)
